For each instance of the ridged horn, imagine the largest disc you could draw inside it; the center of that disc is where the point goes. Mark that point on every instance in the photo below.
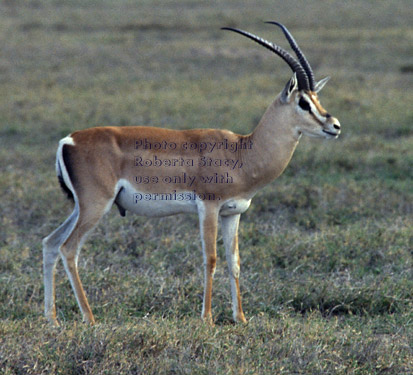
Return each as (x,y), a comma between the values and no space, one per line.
(304,62)
(302,78)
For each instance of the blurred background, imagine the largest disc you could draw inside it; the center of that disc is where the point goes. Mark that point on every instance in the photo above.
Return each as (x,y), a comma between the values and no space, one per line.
(332,237)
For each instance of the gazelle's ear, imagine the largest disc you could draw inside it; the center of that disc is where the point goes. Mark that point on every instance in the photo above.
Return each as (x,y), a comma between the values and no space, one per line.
(320,84)
(289,88)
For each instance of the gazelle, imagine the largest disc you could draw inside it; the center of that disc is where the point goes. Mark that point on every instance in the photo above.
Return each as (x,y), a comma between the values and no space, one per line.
(158,172)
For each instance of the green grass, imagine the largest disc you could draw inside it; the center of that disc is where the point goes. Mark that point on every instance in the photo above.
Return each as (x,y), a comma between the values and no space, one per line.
(326,250)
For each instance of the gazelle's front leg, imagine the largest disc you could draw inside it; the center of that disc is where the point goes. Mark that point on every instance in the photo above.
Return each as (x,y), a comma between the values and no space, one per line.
(230,237)
(208,219)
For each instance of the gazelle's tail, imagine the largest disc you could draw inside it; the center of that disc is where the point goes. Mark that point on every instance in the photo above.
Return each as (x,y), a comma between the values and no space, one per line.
(61,167)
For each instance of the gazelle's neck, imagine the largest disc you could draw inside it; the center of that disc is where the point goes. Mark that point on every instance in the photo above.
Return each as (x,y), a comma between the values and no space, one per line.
(274,141)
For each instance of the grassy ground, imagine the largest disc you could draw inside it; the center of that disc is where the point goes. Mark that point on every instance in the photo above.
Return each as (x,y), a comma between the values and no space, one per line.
(326,250)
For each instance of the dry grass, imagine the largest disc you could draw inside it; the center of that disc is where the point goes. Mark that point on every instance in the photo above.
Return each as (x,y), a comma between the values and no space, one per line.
(326,250)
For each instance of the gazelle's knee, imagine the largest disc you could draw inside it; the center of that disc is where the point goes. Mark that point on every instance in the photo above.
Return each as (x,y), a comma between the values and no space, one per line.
(211,263)
(69,257)
(44,243)
(234,265)
(235,269)
(47,248)
(50,253)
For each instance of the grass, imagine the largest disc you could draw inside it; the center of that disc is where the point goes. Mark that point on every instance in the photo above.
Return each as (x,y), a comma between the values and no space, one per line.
(326,249)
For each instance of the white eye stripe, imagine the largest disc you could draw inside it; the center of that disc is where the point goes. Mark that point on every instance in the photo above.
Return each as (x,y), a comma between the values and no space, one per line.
(313,109)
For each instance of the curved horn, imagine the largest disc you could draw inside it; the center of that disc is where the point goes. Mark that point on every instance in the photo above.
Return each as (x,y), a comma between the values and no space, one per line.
(304,62)
(303,83)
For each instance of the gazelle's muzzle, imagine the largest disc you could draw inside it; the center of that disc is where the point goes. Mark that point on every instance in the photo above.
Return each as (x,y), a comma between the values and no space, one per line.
(332,128)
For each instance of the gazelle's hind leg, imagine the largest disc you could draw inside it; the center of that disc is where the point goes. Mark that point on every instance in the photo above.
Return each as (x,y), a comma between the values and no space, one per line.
(89,216)
(67,241)
(51,246)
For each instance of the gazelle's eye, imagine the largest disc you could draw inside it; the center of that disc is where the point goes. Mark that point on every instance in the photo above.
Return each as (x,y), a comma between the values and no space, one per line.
(304,105)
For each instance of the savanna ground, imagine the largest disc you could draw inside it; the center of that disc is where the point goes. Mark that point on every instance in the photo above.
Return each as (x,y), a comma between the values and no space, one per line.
(326,249)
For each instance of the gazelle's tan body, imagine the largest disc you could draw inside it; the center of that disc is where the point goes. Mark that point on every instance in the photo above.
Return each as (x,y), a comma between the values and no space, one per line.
(158,172)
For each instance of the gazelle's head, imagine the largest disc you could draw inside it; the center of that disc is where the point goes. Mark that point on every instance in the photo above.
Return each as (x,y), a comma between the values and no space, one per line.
(300,92)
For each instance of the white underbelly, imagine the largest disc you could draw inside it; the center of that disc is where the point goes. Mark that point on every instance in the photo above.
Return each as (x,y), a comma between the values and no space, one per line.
(156,204)
(172,202)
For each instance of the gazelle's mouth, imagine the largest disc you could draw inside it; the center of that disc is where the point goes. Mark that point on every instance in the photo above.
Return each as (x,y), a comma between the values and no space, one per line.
(331,133)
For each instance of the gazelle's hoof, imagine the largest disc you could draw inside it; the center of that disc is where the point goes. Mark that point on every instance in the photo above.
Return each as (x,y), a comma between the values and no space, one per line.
(208,320)
(90,321)
(240,318)
(53,322)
